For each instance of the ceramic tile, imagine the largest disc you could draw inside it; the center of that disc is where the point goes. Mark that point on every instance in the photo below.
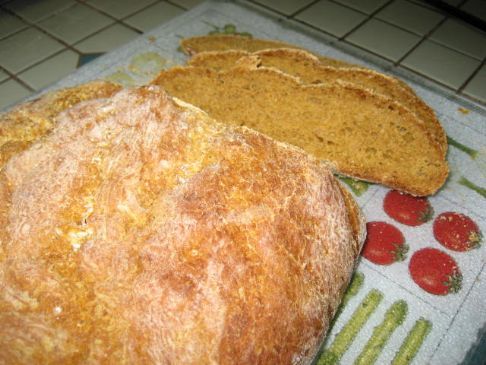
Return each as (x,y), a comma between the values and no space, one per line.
(75,23)
(410,16)
(12,91)
(3,75)
(331,17)
(441,64)
(461,37)
(368,6)
(475,7)
(50,70)
(25,48)
(120,8)
(393,43)
(107,39)
(34,11)
(9,24)
(426,5)
(153,16)
(477,86)
(287,7)
(187,4)
(452,2)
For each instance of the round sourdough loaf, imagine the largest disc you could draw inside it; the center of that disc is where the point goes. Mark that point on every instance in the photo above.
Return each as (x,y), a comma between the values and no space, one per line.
(139,231)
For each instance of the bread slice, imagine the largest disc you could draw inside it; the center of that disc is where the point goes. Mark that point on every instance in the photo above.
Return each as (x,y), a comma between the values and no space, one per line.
(310,70)
(28,122)
(360,134)
(142,231)
(195,45)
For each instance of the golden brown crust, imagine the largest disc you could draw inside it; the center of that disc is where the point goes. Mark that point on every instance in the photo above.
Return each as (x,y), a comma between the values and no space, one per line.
(363,134)
(140,231)
(309,69)
(195,45)
(356,219)
(26,123)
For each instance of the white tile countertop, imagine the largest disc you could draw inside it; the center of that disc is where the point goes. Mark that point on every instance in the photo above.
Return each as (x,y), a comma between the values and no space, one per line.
(44,40)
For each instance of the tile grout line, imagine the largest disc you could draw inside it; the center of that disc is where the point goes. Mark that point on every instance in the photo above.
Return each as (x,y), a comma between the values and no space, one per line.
(424,38)
(172,3)
(312,3)
(14,77)
(53,36)
(266,7)
(336,39)
(368,17)
(67,46)
(474,73)
(427,34)
(122,20)
(341,39)
(396,63)
(276,11)
(27,22)
(42,30)
(2,37)
(115,19)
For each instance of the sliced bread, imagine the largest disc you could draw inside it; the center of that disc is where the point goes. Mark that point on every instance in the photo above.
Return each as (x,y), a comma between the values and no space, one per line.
(28,122)
(194,45)
(359,133)
(310,70)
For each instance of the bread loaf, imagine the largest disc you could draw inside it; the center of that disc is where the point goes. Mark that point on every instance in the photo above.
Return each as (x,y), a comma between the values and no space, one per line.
(310,70)
(26,123)
(140,231)
(359,133)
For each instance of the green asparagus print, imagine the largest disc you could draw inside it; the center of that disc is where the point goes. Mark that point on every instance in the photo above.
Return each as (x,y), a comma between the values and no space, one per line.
(227,29)
(394,317)
(452,142)
(413,342)
(469,184)
(358,187)
(347,335)
(353,289)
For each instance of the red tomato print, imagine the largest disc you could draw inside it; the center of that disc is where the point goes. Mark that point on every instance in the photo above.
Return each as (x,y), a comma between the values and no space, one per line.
(407,209)
(457,232)
(435,271)
(384,244)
